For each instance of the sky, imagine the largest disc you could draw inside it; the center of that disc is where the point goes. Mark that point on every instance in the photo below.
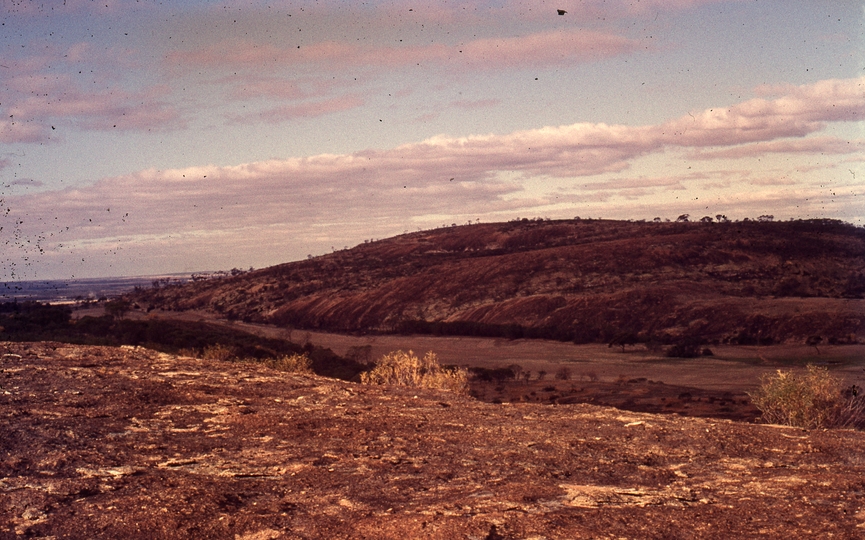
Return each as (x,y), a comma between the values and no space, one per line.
(142,137)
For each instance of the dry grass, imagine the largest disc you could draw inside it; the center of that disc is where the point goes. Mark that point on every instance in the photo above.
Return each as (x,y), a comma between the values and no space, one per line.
(406,369)
(294,363)
(218,352)
(812,400)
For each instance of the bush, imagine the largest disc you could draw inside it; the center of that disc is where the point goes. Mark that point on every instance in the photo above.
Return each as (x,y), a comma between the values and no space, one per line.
(811,400)
(406,369)
(218,352)
(295,363)
(688,348)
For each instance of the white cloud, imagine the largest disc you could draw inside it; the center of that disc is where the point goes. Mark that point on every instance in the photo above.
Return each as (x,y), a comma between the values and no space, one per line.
(263,207)
(810,145)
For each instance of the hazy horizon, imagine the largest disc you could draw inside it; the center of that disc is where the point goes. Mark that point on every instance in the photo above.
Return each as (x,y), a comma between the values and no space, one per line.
(139,139)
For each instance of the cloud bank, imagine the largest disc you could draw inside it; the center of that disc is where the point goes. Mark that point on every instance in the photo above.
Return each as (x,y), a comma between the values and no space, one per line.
(59,88)
(537,50)
(254,211)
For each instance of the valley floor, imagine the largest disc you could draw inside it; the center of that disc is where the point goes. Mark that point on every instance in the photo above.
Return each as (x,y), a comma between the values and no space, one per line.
(636,379)
(731,368)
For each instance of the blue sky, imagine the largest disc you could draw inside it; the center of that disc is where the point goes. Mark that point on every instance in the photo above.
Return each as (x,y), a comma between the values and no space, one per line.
(139,137)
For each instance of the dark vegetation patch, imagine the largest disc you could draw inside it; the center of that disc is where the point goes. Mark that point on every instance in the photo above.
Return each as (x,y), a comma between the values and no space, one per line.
(35,321)
(637,394)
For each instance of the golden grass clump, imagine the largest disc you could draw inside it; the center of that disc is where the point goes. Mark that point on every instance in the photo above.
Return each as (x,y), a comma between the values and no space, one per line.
(218,352)
(406,369)
(294,363)
(812,400)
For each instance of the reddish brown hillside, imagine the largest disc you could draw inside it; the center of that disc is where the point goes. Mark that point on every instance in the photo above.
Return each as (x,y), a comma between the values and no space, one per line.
(583,280)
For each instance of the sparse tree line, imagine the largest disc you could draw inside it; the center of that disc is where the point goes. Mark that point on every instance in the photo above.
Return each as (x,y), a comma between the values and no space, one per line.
(682,218)
(515,372)
(720,218)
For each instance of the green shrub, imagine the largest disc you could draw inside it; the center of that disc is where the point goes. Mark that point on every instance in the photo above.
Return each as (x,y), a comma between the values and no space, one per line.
(406,369)
(811,400)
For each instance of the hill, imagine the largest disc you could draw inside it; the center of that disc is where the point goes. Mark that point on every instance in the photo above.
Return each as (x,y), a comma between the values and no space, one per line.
(681,283)
(102,442)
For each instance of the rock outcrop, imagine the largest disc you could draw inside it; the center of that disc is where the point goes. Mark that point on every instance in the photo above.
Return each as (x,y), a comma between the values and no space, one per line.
(101,442)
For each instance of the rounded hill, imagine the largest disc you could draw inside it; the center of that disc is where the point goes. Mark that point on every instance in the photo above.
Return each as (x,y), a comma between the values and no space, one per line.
(692,283)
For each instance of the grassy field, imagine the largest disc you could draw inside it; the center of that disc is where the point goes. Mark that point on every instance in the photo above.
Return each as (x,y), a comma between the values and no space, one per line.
(731,368)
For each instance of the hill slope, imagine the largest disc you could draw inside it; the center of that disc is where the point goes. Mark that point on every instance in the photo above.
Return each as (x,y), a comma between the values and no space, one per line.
(583,280)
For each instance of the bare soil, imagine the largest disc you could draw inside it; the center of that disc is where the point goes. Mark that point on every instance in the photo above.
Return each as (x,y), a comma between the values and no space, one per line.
(102,442)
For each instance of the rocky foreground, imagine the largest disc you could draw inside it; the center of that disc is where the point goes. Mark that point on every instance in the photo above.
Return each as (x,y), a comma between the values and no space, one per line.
(102,442)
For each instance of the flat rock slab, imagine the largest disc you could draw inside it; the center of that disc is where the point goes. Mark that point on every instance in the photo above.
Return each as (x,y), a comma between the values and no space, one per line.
(99,442)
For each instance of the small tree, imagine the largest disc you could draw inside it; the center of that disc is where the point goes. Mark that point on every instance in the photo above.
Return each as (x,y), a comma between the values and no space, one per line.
(563,374)
(622,339)
(813,341)
(517,371)
(118,308)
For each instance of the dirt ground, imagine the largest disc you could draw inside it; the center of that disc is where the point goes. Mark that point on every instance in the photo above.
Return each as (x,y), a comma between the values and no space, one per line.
(102,442)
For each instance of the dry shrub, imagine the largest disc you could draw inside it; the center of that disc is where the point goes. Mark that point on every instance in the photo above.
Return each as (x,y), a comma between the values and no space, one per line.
(189,352)
(811,400)
(218,352)
(406,369)
(295,363)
